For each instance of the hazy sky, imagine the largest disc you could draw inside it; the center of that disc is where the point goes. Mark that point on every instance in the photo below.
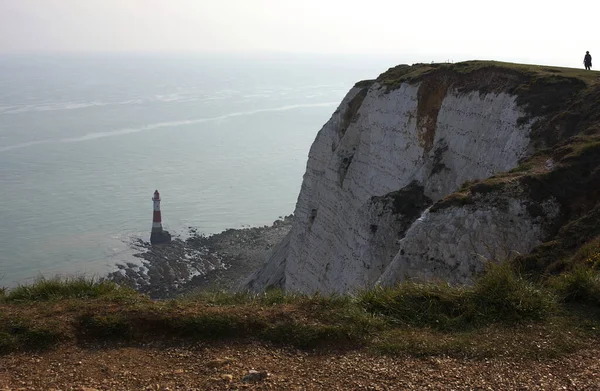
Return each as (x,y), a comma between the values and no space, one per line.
(522,30)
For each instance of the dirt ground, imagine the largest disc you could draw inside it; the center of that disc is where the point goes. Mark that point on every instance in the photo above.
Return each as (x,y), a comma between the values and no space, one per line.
(223,367)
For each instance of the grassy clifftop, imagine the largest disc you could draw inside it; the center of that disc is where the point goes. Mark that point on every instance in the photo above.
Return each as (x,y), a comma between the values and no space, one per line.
(501,315)
(407,73)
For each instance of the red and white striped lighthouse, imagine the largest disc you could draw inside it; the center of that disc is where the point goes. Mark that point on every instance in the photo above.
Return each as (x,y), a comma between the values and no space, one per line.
(156,218)
(157,235)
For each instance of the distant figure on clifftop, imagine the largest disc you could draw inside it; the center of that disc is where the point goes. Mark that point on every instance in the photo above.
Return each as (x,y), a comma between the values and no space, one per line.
(587,61)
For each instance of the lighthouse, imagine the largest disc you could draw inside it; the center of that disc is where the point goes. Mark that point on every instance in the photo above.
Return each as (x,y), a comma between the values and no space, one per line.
(158,235)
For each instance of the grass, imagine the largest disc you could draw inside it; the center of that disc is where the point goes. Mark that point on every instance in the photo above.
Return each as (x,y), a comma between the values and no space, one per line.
(277,323)
(72,288)
(501,314)
(395,76)
(503,296)
(588,254)
(581,285)
(221,298)
(19,334)
(536,341)
(499,296)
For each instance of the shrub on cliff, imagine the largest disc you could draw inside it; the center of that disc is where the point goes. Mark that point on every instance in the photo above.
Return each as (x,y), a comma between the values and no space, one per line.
(582,284)
(502,295)
(418,304)
(499,296)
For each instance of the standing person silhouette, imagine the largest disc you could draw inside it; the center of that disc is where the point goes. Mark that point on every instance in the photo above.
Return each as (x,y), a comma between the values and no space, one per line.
(587,61)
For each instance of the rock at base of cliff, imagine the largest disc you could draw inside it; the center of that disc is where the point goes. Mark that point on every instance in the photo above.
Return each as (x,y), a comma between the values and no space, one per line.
(160,237)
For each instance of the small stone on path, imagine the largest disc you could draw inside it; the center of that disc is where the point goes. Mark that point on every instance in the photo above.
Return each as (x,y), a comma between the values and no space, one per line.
(219,362)
(255,376)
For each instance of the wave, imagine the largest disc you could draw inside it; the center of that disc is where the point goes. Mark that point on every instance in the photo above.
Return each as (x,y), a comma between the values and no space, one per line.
(65,106)
(160,125)
(164,98)
(25,145)
(50,107)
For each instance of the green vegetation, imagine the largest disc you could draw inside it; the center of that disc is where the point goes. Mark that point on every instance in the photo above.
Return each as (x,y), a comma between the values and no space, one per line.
(272,317)
(397,75)
(501,314)
(588,254)
(17,334)
(582,285)
(56,289)
(498,297)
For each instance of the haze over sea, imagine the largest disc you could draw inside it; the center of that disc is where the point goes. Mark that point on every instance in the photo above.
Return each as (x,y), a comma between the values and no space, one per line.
(85,140)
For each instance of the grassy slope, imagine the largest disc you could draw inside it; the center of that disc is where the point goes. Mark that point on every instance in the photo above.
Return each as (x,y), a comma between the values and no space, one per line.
(501,315)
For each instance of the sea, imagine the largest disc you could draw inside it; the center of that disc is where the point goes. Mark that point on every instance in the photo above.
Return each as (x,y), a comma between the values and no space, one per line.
(85,139)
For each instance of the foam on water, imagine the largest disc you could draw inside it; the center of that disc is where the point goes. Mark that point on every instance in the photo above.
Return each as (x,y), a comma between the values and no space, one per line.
(160,125)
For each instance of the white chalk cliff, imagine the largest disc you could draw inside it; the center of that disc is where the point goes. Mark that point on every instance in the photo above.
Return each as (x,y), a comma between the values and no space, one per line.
(368,209)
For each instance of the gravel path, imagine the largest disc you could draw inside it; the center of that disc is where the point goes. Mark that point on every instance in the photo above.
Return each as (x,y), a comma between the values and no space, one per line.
(223,367)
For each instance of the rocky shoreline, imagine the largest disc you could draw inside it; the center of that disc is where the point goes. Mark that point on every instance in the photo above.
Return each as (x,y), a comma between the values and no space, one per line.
(199,263)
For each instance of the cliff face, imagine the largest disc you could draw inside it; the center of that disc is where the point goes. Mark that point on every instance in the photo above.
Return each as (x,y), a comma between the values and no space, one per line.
(386,194)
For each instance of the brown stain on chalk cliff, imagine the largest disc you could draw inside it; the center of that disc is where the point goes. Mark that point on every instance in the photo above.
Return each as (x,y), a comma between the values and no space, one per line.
(431,94)
(541,92)
(350,115)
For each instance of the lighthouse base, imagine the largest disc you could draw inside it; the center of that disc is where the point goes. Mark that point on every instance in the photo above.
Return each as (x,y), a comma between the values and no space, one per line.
(161,237)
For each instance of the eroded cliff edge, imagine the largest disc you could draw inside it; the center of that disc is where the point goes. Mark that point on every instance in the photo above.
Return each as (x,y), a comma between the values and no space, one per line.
(430,171)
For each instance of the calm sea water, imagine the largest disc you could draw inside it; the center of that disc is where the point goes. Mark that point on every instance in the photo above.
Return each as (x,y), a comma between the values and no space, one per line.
(85,141)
